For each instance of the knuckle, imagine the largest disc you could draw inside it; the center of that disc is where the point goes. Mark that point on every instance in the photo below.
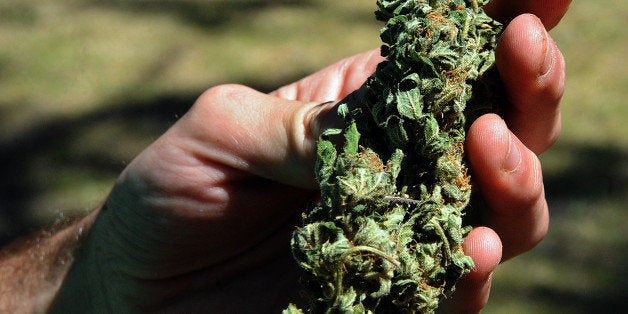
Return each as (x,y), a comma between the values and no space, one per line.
(531,191)
(220,93)
(220,103)
(525,188)
(540,223)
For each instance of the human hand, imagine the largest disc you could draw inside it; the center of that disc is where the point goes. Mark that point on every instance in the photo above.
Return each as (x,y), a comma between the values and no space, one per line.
(202,218)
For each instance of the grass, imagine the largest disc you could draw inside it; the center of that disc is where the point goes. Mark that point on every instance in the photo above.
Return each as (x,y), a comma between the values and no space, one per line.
(86,85)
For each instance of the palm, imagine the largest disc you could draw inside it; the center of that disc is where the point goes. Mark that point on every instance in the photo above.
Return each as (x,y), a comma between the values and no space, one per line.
(232,220)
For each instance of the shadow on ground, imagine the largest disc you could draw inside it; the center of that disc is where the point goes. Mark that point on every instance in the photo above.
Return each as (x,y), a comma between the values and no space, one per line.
(593,172)
(52,141)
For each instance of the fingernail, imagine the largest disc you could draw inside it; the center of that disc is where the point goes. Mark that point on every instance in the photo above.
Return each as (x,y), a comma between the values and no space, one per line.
(548,60)
(513,156)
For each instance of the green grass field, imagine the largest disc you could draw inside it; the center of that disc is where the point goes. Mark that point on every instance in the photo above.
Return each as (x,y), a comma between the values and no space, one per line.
(85,85)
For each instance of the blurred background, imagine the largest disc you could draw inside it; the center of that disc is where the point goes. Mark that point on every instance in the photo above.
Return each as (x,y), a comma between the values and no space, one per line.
(85,85)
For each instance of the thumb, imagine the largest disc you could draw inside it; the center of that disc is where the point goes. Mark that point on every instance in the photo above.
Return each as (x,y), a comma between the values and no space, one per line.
(264,135)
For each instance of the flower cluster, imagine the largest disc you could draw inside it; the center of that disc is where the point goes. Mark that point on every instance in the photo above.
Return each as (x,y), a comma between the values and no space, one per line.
(387,235)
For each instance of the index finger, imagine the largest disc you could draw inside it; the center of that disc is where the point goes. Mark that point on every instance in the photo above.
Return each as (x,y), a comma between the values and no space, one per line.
(335,81)
(533,71)
(549,11)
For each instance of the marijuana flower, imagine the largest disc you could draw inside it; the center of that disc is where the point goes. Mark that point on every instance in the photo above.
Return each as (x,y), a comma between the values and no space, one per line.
(387,234)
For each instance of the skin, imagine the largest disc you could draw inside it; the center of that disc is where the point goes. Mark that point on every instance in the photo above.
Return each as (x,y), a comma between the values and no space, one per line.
(202,218)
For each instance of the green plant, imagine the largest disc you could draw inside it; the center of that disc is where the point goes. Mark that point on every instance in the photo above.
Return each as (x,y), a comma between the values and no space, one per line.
(387,235)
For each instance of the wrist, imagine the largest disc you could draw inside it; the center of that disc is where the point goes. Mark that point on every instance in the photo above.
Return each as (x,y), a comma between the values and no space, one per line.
(84,288)
(111,259)
(33,268)
(97,281)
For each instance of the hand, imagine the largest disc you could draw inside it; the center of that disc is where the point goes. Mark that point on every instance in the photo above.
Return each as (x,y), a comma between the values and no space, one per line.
(202,218)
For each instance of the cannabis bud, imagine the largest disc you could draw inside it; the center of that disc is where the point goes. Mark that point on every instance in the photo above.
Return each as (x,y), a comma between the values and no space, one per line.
(387,234)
